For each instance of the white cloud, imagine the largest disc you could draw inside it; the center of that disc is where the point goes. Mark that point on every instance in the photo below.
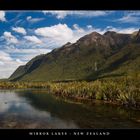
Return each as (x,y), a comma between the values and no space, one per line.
(133,13)
(12,58)
(59,30)
(8,65)
(1,63)
(63,14)
(89,26)
(2,16)
(34,20)
(26,54)
(59,33)
(118,30)
(10,38)
(130,17)
(20,30)
(78,29)
(28,18)
(33,39)
(58,14)
(4,56)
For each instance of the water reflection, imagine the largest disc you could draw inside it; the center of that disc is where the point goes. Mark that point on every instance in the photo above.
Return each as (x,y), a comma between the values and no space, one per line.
(38,109)
(17,112)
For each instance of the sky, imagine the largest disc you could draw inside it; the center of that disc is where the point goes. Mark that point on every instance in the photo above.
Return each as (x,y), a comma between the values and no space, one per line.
(26,34)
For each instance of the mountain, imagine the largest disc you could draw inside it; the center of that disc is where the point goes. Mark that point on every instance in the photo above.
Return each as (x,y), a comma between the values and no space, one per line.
(92,56)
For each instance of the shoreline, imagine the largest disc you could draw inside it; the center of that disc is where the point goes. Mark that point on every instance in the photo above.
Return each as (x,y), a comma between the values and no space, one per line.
(78,100)
(123,92)
(92,102)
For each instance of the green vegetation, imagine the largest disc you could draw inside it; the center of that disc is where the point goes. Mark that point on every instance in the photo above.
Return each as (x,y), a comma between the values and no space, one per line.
(3,80)
(97,67)
(22,85)
(91,57)
(122,91)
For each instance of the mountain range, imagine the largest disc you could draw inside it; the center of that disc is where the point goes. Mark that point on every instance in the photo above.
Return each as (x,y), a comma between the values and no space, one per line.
(92,56)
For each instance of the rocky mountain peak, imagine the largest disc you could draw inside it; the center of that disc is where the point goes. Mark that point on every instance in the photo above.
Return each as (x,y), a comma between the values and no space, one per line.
(90,38)
(109,33)
(109,52)
(67,44)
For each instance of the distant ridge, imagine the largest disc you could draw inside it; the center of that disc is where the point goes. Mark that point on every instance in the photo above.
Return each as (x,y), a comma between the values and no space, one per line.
(92,56)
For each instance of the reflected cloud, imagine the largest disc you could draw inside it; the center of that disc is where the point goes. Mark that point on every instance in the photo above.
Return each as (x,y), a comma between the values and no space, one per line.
(18,108)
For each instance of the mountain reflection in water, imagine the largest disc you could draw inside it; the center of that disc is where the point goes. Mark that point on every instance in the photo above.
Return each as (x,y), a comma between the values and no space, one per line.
(39,109)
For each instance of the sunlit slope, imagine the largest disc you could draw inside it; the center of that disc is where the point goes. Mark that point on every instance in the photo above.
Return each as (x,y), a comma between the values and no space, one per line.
(92,56)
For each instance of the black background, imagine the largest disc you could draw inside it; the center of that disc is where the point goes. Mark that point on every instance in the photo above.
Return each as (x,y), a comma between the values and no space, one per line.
(69,5)
(115,133)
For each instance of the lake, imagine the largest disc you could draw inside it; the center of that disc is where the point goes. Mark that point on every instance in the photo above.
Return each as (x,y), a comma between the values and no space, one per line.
(38,109)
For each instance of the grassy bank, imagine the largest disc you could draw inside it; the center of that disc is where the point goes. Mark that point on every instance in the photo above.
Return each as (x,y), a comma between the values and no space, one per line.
(123,91)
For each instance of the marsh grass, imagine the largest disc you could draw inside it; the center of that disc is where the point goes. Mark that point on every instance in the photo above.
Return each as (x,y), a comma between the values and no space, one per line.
(123,91)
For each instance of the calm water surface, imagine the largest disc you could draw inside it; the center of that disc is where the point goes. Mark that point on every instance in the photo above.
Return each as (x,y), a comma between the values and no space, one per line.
(39,109)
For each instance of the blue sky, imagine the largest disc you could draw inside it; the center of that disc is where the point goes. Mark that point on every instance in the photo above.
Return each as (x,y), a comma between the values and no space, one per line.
(25,34)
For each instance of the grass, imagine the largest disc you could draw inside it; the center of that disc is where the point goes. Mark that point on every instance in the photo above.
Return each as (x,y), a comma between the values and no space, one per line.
(123,91)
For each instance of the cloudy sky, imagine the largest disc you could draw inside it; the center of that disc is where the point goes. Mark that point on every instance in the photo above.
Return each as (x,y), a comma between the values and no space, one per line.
(25,34)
